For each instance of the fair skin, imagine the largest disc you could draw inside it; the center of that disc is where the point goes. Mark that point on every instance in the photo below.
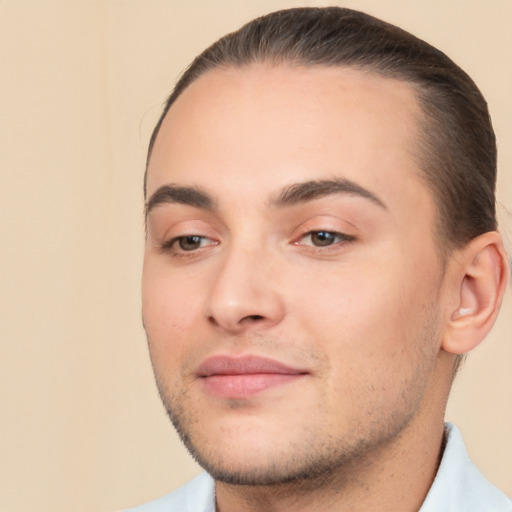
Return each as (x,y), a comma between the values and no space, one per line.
(302,324)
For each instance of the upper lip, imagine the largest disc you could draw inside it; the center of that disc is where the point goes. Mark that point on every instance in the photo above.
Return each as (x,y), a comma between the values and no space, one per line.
(244,365)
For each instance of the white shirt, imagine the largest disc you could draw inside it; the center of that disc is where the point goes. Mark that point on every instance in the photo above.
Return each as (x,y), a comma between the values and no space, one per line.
(458,487)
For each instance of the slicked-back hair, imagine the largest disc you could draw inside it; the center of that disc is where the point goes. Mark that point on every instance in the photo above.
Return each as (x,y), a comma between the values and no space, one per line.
(456,150)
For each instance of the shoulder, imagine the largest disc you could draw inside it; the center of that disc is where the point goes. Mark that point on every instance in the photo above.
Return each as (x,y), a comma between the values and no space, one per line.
(198,495)
(459,486)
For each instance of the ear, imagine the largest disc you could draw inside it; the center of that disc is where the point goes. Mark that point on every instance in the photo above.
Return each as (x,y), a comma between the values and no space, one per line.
(481,272)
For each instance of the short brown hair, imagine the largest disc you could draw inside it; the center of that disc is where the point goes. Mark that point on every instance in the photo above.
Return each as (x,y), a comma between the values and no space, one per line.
(457,150)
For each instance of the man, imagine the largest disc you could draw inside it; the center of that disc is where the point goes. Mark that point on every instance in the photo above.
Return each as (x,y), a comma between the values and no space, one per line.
(321,251)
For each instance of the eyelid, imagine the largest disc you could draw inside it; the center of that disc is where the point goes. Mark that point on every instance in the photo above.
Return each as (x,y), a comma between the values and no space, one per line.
(178,220)
(168,225)
(175,231)
(170,246)
(325,222)
(343,238)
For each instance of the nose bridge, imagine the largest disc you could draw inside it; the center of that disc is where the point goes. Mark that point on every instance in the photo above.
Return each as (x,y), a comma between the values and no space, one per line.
(243,294)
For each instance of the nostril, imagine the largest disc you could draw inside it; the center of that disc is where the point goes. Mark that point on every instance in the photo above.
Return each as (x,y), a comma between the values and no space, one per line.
(212,320)
(249,318)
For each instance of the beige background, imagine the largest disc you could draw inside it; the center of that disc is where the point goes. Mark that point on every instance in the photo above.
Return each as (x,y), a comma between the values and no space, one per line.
(81,87)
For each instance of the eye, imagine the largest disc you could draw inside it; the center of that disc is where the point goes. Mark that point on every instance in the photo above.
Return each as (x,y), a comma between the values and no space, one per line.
(187,243)
(190,242)
(324,238)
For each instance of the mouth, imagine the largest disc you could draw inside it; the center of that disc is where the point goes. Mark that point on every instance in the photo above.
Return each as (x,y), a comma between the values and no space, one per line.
(242,377)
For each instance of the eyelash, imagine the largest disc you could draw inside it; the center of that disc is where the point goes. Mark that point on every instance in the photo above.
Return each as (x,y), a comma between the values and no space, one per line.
(336,237)
(170,245)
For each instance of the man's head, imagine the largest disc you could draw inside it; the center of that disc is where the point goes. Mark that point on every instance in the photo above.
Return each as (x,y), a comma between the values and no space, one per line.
(320,244)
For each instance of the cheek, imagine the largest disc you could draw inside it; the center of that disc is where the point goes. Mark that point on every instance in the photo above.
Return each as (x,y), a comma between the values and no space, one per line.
(170,309)
(368,312)
(354,298)
(375,336)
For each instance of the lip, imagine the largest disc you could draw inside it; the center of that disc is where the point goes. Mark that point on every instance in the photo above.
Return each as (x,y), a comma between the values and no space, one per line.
(244,376)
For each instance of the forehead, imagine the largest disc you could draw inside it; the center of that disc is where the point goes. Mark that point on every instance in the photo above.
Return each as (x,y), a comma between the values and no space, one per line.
(271,125)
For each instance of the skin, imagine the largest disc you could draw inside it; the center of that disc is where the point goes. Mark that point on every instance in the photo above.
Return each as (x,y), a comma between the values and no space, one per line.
(364,318)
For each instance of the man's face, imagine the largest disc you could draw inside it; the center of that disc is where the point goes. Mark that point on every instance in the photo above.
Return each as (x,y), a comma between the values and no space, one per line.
(291,280)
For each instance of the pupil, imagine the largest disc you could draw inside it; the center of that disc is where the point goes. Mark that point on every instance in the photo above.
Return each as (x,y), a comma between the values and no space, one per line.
(187,243)
(323,238)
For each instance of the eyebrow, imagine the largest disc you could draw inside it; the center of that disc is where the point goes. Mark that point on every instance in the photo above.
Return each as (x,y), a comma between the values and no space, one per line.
(174,194)
(310,190)
(291,195)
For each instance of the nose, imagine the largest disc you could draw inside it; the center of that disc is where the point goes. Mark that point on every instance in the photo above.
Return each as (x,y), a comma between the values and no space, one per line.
(245,294)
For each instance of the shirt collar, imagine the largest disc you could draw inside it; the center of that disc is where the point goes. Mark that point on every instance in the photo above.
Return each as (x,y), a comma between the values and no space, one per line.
(459,486)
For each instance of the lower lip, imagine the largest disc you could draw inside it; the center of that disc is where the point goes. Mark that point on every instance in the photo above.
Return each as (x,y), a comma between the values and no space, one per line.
(246,385)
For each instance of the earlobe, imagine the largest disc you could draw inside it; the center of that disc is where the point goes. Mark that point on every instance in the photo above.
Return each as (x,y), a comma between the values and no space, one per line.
(483,272)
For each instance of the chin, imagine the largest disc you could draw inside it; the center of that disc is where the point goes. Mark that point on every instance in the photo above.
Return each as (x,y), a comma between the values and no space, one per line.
(247,458)
(242,470)
(255,460)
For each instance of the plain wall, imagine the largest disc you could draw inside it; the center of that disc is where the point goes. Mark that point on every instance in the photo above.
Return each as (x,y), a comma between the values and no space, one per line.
(82,83)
